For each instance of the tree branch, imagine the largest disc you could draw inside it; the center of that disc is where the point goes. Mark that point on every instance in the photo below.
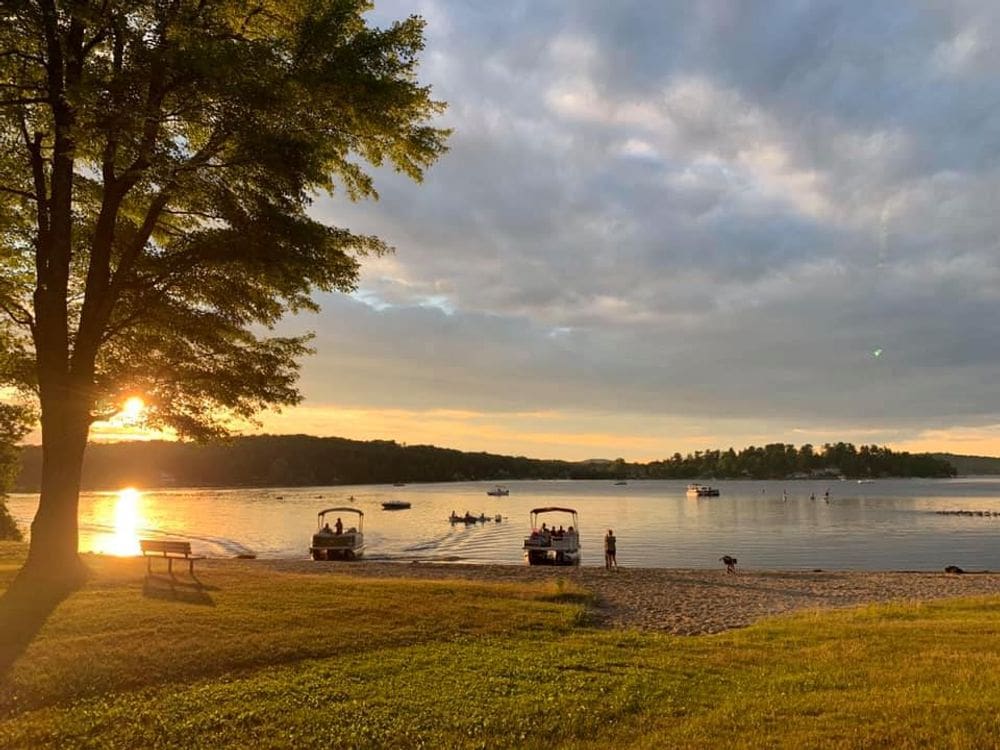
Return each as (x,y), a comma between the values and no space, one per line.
(21,193)
(18,314)
(23,100)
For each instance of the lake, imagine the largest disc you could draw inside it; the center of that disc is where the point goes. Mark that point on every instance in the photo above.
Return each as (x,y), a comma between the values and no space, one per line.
(886,525)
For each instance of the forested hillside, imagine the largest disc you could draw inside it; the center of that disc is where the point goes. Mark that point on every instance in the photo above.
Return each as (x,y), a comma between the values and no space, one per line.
(971,465)
(301,460)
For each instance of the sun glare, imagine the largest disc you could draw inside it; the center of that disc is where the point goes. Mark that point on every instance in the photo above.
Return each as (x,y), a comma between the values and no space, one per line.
(132,408)
(124,541)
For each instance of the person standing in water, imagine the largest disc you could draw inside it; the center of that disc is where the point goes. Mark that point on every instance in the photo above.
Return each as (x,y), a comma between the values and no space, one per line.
(610,550)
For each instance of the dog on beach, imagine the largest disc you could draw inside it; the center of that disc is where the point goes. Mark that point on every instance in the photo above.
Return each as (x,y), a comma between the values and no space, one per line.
(730,563)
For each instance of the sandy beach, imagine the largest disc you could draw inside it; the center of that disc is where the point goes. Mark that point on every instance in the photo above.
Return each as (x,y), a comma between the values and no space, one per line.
(692,602)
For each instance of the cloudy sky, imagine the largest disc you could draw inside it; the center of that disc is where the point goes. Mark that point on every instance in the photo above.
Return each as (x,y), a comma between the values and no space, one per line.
(677,225)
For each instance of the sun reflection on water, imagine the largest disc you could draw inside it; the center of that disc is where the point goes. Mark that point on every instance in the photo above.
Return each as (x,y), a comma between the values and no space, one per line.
(128,519)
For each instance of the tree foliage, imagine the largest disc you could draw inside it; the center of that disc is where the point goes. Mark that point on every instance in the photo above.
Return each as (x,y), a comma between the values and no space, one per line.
(14,422)
(158,160)
(781,461)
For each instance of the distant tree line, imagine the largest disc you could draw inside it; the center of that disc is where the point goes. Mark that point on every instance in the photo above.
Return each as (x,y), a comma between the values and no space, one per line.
(972,465)
(781,461)
(301,460)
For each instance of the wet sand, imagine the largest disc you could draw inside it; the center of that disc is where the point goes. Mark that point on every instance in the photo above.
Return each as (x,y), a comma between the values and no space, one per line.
(691,602)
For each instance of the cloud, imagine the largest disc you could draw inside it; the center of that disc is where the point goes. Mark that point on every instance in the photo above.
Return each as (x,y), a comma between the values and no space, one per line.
(697,211)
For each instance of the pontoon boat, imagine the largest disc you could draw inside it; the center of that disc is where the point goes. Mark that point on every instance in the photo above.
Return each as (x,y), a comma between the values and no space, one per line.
(553,546)
(338,543)
(701,490)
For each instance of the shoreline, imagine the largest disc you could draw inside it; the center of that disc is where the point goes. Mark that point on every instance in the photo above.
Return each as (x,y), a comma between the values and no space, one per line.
(686,601)
(420,483)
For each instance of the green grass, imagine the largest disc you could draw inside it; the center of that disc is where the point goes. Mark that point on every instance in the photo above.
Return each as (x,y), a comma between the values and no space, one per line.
(283,660)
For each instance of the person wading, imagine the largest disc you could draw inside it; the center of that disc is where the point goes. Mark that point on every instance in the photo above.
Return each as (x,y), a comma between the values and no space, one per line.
(610,549)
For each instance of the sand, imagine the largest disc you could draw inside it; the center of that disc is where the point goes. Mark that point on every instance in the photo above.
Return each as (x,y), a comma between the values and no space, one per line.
(691,602)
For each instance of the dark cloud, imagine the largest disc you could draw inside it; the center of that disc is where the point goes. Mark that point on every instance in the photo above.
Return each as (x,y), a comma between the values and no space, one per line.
(717,210)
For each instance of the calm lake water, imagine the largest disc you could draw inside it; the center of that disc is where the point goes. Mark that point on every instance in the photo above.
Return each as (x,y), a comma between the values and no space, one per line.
(886,525)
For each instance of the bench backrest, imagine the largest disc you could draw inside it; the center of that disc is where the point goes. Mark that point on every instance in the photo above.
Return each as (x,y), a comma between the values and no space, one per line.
(165,547)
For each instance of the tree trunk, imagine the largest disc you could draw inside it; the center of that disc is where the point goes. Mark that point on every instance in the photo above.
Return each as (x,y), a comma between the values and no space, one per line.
(54,536)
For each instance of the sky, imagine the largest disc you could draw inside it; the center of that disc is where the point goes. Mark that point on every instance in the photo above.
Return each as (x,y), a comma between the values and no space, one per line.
(670,226)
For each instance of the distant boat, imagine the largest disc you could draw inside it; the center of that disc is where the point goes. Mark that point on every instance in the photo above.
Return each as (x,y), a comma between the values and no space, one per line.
(498,491)
(399,484)
(866,481)
(395,505)
(621,483)
(701,490)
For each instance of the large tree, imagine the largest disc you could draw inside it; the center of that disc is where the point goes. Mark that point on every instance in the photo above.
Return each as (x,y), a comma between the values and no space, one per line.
(157,160)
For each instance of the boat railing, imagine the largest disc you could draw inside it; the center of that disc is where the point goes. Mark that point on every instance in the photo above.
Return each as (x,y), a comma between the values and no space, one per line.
(550,540)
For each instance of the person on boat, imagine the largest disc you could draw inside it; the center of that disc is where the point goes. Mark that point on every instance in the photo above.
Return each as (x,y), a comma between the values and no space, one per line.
(326,529)
(610,550)
(339,526)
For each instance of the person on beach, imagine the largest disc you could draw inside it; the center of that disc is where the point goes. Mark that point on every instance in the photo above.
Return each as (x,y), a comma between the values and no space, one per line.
(610,550)
(339,527)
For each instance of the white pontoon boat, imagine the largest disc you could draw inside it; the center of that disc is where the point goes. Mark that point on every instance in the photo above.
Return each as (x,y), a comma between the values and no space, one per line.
(553,546)
(338,543)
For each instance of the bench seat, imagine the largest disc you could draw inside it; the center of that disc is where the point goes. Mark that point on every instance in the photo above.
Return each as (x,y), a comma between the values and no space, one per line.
(169,550)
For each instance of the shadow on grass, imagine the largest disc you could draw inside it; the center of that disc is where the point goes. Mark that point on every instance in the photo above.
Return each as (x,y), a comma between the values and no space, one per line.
(24,608)
(171,588)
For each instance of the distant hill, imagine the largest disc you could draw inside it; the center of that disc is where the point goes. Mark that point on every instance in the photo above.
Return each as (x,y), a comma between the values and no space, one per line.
(971,465)
(304,460)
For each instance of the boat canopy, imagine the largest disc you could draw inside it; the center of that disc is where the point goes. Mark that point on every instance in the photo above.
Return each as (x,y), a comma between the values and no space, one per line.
(550,510)
(338,510)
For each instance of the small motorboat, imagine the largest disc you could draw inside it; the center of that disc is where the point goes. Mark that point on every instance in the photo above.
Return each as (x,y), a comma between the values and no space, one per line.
(395,505)
(547,546)
(701,490)
(338,543)
(498,518)
(468,518)
(621,483)
(498,491)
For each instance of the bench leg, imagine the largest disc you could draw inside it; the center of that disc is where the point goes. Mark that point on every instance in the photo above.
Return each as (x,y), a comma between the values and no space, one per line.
(149,565)
(170,565)
(191,568)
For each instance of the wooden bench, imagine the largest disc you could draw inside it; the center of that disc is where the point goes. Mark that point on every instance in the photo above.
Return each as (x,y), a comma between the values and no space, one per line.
(170,551)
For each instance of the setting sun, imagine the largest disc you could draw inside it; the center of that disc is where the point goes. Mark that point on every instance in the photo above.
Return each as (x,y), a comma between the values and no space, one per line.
(132,408)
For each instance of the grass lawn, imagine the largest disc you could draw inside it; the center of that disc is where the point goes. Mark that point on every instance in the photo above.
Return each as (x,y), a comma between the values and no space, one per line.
(258,658)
